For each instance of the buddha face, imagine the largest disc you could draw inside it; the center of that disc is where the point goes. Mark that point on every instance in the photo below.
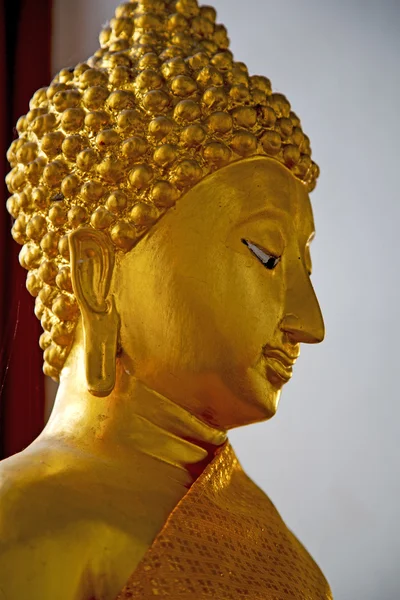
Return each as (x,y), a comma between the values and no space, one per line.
(215,302)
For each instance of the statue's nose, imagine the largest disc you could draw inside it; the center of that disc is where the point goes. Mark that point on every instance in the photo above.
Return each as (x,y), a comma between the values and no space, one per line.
(303,321)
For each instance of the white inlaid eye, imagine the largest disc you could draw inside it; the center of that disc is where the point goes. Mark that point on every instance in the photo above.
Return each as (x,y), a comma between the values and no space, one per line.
(268,260)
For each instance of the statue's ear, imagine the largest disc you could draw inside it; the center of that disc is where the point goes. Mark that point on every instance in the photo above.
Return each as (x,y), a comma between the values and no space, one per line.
(92,264)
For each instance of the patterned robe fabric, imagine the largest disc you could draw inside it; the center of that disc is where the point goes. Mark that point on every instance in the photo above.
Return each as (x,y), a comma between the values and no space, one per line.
(226,540)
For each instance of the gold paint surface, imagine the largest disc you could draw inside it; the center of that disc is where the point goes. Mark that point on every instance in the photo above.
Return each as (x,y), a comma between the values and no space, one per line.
(197,335)
(114,143)
(165,332)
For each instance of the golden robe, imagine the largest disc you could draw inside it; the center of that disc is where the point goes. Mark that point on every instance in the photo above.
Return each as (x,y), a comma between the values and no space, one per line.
(226,540)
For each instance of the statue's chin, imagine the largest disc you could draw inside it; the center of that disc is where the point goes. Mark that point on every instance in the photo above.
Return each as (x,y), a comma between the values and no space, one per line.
(268,390)
(255,399)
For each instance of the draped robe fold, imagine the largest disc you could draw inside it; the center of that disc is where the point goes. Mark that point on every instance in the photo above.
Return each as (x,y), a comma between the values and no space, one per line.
(226,540)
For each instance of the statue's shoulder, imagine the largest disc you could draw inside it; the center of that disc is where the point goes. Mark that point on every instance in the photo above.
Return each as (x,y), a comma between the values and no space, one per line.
(20,478)
(40,537)
(30,483)
(62,525)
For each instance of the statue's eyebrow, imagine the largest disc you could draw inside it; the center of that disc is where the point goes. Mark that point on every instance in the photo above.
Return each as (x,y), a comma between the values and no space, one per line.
(270,213)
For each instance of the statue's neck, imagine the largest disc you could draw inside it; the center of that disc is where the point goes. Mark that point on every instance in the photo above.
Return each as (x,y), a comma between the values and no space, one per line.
(131,422)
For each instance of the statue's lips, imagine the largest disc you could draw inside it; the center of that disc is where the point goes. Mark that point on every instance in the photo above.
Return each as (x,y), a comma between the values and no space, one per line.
(279,365)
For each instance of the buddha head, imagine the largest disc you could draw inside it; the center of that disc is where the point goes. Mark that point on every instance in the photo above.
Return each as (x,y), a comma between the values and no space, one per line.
(160,194)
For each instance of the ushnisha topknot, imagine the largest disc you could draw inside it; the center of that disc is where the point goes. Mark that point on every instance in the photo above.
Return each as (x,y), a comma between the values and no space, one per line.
(115,142)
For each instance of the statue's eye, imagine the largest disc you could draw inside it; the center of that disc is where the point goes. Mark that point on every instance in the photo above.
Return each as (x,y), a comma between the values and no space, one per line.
(268,260)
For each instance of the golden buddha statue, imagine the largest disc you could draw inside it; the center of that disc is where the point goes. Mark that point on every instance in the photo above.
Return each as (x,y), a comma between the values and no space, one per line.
(160,194)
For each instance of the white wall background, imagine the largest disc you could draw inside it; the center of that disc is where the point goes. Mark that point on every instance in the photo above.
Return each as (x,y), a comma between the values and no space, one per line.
(330,458)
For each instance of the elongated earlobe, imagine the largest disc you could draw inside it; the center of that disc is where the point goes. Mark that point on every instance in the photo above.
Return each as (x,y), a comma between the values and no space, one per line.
(92,265)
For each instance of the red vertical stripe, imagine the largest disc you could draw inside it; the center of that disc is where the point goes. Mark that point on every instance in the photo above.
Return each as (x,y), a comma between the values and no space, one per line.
(25,65)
